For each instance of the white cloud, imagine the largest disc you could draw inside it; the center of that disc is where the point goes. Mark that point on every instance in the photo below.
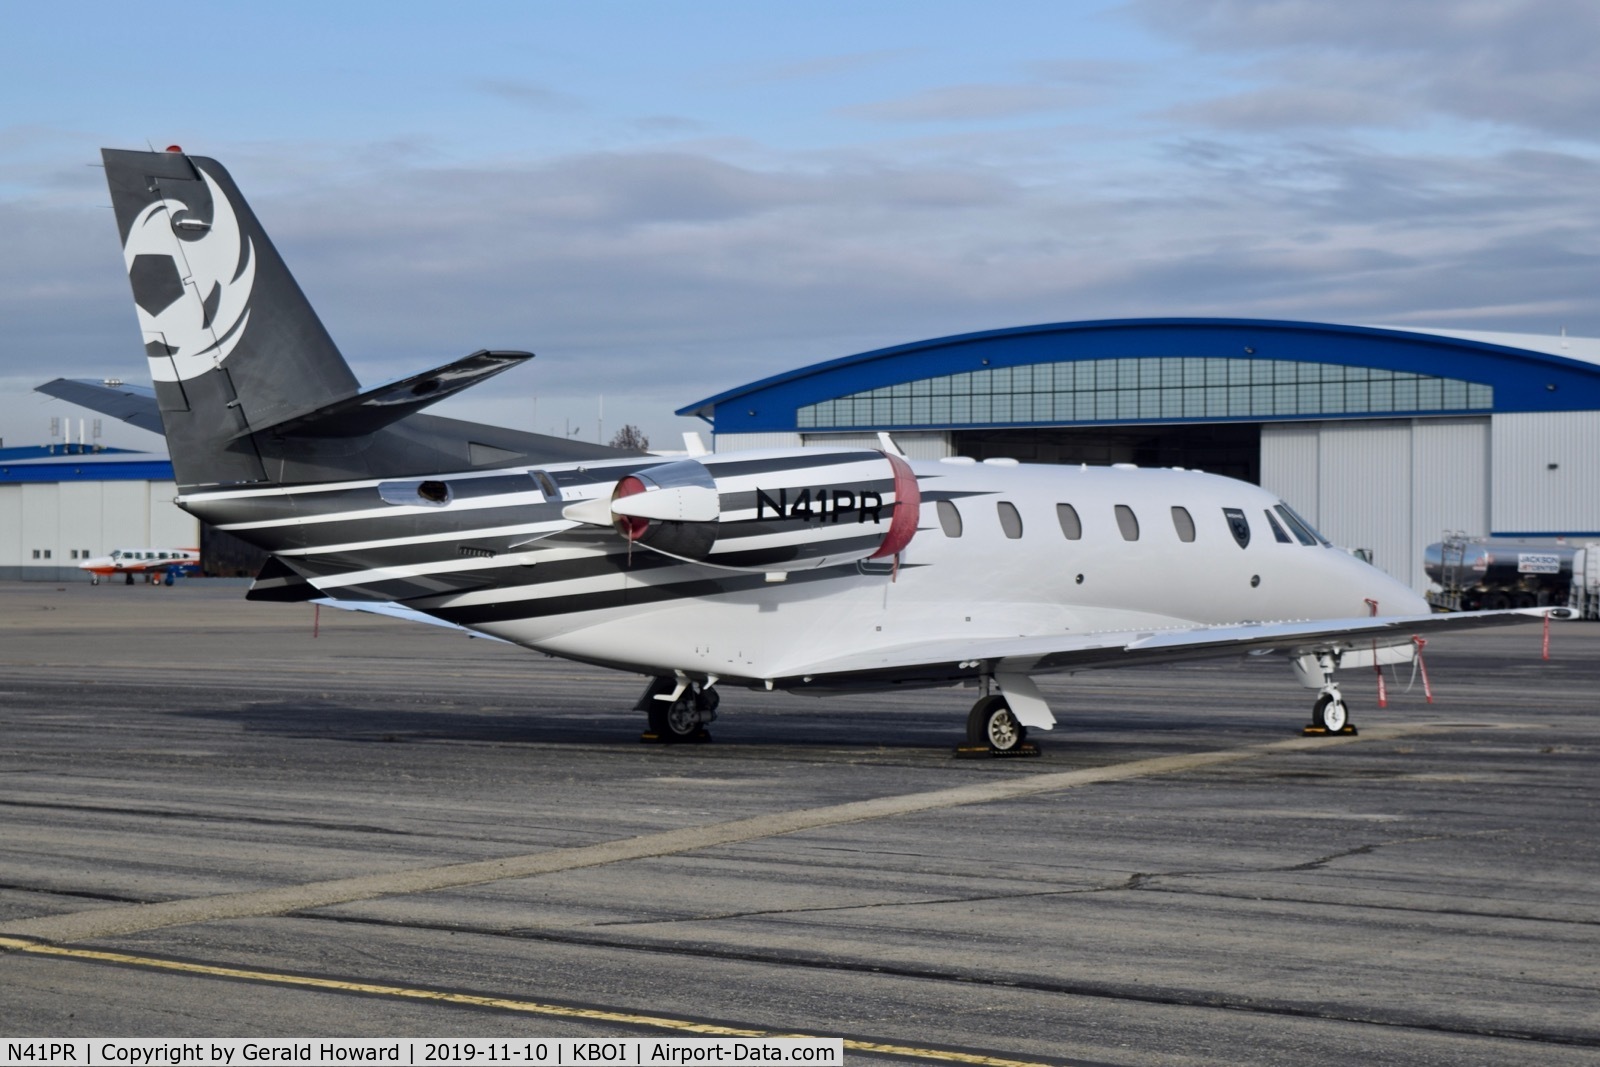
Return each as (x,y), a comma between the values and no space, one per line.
(1359,162)
(1522,64)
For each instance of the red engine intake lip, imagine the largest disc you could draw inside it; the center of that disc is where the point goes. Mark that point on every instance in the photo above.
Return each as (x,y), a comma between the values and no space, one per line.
(631,527)
(907,509)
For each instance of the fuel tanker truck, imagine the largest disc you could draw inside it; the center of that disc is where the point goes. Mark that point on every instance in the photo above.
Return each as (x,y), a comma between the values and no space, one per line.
(1483,574)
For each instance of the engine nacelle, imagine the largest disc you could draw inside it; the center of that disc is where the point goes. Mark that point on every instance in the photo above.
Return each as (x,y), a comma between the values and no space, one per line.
(767,511)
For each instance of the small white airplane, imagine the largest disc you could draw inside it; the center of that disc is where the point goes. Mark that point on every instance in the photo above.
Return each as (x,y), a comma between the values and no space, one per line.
(811,570)
(154,563)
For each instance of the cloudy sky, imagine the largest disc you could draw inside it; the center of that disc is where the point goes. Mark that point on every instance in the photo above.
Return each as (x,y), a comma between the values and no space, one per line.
(667,199)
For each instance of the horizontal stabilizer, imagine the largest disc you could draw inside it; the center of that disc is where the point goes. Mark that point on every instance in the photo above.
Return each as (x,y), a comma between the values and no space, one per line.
(133,404)
(373,409)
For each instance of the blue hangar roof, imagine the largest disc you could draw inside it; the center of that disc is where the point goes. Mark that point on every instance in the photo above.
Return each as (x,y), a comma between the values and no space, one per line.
(76,463)
(1168,370)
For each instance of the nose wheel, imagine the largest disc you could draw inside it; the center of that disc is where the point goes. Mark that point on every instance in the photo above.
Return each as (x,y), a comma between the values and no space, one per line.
(1330,715)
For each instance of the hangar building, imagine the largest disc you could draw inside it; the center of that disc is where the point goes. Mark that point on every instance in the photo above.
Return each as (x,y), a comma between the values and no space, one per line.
(63,504)
(1383,437)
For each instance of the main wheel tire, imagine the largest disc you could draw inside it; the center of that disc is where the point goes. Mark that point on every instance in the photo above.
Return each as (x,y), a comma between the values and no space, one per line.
(1330,714)
(978,719)
(677,721)
(991,723)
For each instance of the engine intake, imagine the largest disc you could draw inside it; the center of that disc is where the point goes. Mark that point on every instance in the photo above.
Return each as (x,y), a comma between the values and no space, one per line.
(769,511)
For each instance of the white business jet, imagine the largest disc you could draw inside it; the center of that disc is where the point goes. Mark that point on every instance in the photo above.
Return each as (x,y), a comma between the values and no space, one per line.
(810,569)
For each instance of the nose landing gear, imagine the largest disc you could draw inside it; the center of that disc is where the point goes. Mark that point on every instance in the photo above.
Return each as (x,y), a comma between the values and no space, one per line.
(1329,715)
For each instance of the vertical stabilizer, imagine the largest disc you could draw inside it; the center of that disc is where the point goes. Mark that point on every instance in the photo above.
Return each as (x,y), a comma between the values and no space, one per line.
(231,340)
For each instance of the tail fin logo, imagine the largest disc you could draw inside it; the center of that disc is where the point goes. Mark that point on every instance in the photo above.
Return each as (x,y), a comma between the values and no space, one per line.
(193,321)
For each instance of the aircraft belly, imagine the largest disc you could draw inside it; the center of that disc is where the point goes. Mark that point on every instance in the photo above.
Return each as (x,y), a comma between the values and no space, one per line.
(763,633)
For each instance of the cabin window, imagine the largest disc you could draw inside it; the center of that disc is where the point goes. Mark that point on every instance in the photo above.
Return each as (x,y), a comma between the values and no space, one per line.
(1010,519)
(1302,529)
(1071,527)
(1277,530)
(1238,525)
(1183,522)
(949,519)
(1127,522)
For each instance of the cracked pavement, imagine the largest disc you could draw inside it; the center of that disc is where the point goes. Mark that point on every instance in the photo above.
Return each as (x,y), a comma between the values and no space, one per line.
(1430,898)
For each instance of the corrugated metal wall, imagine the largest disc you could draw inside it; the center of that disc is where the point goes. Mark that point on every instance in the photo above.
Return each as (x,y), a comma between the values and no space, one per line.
(1389,485)
(1547,473)
(170,525)
(1365,499)
(10,526)
(1290,464)
(739,442)
(67,517)
(918,444)
(1449,482)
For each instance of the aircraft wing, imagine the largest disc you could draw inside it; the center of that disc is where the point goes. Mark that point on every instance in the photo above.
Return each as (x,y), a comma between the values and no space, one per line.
(1128,648)
(399,611)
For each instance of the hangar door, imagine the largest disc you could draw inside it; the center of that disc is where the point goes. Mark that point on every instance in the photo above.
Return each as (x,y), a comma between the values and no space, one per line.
(1228,448)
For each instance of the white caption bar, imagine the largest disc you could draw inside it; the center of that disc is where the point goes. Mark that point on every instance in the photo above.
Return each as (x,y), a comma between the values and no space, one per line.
(418,1052)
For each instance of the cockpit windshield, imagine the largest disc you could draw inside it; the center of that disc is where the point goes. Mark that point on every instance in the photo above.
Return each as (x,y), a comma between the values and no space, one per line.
(1303,531)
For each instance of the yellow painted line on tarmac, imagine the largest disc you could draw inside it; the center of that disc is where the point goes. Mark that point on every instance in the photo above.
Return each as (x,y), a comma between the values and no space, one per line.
(280,900)
(48,935)
(527,1007)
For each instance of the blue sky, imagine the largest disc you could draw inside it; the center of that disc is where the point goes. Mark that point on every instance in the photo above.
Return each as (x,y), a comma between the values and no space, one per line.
(666,200)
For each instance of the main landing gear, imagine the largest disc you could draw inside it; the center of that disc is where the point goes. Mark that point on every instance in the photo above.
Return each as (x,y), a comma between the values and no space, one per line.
(990,722)
(677,710)
(994,730)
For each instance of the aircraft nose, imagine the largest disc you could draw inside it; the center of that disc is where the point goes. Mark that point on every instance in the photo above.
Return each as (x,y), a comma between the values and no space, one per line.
(1397,598)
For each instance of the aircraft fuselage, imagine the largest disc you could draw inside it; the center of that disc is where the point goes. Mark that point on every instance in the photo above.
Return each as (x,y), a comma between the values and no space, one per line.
(1151,550)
